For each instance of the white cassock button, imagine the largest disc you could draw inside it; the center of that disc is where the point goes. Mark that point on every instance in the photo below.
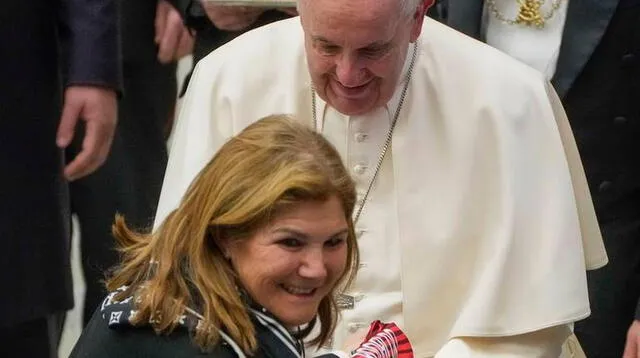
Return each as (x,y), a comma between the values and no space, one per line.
(359,169)
(360,137)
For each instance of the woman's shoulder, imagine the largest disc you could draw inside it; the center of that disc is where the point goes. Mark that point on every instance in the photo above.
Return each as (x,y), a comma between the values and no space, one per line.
(109,334)
(98,340)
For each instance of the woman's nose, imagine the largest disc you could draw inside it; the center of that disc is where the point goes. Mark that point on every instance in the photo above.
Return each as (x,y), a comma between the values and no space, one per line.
(313,265)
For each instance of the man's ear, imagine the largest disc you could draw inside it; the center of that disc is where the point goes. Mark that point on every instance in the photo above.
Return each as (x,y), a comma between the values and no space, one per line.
(418,18)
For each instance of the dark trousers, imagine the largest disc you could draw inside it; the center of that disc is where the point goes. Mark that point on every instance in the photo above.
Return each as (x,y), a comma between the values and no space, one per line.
(129,182)
(613,292)
(34,339)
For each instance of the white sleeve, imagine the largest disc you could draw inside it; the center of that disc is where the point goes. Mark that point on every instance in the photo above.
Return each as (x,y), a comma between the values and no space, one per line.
(544,343)
(202,127)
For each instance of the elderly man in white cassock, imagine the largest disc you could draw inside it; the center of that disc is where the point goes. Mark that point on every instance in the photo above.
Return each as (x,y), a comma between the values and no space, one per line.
(474,219)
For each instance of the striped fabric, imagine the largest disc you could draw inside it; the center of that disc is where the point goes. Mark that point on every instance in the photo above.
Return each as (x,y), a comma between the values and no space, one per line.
(384,340)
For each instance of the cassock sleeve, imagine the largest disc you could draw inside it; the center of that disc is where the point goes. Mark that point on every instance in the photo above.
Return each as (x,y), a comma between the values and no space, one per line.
(544,343)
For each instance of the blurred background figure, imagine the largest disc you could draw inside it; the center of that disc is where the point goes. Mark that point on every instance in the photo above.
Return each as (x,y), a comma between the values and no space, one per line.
(153,40)
(590,50)
(59,64)
(215,25)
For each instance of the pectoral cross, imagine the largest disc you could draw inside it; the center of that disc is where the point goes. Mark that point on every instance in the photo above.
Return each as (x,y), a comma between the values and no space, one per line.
(529,13)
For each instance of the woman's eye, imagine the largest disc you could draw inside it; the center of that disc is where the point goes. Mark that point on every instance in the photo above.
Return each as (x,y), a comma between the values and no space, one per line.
(290,242)
(335,242)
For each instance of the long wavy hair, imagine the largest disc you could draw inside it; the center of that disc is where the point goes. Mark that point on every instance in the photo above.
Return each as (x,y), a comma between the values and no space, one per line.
(271,165)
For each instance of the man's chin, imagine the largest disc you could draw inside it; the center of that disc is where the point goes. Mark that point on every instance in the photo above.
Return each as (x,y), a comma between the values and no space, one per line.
(351,107)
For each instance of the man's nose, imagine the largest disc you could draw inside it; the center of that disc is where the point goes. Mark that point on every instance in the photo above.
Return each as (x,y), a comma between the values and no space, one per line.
(349,70)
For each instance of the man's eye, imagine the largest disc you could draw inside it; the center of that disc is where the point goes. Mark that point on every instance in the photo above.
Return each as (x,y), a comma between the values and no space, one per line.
(290,242)
(331,50)
(373,53)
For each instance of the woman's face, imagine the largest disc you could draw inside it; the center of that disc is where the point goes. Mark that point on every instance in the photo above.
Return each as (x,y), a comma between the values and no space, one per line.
(292,263)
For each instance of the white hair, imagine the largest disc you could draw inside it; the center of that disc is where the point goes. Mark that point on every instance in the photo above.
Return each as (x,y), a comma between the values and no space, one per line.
(408,7)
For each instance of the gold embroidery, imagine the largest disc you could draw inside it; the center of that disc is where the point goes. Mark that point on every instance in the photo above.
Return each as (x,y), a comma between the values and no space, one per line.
(529,13)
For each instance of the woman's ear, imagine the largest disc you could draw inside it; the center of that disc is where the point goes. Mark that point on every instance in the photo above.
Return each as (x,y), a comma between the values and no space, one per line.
(225,248)
(223,243)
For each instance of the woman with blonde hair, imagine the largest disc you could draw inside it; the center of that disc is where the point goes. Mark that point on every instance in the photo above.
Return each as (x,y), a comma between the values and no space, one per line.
(245,265)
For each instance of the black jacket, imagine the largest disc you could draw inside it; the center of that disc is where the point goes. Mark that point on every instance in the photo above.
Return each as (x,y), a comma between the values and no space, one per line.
(110,334)
(99,340)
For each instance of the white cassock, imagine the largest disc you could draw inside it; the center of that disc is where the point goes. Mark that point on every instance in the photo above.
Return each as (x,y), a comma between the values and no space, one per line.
(480,223)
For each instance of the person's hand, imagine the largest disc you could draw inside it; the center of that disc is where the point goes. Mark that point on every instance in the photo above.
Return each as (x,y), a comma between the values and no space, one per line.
(173,38)
(232,18)
(632,347)
(289,10)
(98,108)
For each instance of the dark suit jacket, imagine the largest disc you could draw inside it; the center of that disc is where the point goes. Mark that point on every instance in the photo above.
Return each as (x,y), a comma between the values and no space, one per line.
(138,30)
(45,46)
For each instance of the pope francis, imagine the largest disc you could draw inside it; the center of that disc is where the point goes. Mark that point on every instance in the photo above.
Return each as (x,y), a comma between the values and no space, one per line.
(474,219)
